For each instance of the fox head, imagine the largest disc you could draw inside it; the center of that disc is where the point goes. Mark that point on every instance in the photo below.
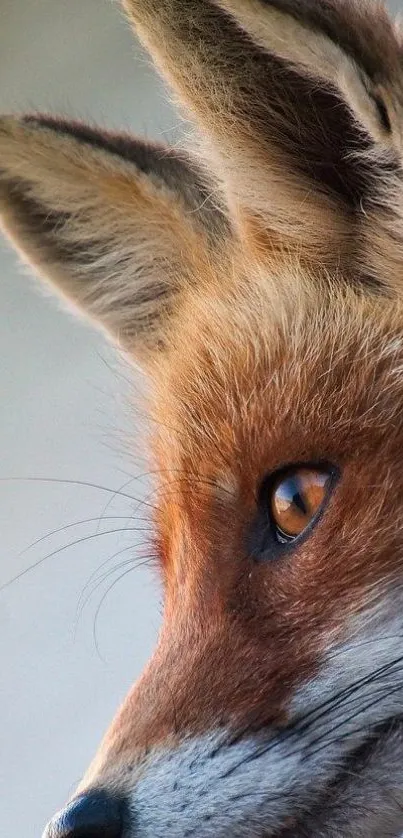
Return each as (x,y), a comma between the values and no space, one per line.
(258,279)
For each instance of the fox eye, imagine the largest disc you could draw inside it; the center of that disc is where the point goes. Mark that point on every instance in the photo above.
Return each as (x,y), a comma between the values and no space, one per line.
(296,498)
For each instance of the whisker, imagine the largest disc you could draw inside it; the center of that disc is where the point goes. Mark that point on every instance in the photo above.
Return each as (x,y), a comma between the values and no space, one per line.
(359,644)
(65,547)
(335,700)
(77,524)
(363,709)
(112,498)
(100,579)
(83,483)
(325,709)
(109,589)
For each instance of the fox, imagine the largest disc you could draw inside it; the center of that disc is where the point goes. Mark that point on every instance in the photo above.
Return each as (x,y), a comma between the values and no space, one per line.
(255,275)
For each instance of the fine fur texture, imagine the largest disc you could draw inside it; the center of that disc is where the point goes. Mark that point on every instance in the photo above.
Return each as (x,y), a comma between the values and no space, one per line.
(257,277)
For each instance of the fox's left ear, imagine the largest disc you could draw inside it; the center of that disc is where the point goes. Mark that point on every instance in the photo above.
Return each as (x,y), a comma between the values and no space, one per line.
(299,105)
(118,225)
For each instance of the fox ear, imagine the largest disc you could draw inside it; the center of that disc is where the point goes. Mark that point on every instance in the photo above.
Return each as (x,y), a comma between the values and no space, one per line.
(300,104)
(117,225)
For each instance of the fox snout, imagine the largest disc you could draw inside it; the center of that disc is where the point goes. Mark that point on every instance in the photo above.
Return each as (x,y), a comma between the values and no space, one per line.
(164,772)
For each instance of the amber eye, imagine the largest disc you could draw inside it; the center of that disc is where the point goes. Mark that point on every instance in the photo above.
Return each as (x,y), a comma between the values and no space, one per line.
(296,498)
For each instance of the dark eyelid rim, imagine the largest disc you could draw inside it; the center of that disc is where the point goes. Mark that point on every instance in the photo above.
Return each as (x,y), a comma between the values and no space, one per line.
(270,548)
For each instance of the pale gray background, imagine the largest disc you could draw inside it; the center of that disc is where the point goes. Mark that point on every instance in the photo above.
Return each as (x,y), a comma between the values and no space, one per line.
(64,414)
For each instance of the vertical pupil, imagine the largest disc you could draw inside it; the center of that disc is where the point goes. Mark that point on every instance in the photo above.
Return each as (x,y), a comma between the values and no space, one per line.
(293,490)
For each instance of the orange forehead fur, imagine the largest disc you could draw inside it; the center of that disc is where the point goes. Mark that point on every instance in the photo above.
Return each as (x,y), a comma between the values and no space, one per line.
(271,352)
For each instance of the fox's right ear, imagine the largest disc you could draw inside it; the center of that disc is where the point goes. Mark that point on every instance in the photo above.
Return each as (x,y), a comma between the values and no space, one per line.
(116,224)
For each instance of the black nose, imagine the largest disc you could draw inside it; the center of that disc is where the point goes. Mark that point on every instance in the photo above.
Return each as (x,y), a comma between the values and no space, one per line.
(92,815)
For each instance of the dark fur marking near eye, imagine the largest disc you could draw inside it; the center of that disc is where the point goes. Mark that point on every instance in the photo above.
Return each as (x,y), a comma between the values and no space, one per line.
(174,168)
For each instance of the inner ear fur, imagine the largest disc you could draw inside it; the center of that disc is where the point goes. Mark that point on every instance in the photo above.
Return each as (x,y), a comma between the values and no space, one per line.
(118,225)
(299,106)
